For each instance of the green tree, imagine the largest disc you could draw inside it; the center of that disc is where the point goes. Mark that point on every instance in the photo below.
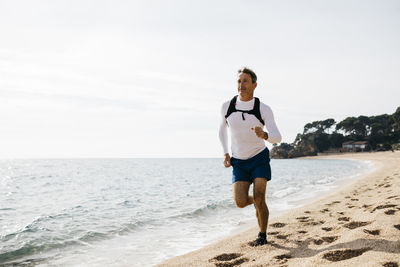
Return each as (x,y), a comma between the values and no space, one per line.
(382,131)
(321,142)
(336,140)
(327,124)
(318,126)
(361,125)
(396,119)
(355,127)
(347,125)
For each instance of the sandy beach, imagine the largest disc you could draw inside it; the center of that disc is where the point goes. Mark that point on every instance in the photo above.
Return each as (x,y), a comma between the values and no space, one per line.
(355,225)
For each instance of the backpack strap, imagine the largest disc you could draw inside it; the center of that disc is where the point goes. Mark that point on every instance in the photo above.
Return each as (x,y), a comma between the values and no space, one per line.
(255,111)
(232,107)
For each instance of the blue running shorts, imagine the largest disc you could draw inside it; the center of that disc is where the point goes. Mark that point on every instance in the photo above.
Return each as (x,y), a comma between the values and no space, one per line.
(249,169)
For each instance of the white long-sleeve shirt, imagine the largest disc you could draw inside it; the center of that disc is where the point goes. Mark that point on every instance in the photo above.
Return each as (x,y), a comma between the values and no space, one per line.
(244,142)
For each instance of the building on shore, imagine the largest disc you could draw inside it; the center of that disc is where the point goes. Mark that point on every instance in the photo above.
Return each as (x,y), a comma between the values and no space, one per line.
(354,146)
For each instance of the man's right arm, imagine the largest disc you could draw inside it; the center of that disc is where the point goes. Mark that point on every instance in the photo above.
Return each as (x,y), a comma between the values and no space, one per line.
(223,137)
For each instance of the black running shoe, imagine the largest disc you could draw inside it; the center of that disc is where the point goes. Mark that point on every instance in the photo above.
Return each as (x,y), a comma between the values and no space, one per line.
(261,240)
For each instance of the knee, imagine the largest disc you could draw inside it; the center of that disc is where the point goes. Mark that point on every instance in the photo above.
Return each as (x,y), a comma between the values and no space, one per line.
(259,200)
(240,203)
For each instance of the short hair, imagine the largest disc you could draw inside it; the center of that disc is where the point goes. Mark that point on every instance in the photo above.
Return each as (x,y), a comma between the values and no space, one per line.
(250,72)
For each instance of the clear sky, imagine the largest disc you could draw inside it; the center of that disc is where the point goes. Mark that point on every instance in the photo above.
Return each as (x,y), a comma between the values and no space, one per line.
(147,78)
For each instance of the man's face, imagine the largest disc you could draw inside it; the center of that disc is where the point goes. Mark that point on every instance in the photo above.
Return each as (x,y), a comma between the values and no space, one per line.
(245,85)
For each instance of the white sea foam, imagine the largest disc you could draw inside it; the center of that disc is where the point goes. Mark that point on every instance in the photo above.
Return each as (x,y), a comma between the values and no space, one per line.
(284,192)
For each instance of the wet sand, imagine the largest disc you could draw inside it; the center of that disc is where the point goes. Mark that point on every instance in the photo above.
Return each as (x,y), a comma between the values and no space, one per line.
(356,225)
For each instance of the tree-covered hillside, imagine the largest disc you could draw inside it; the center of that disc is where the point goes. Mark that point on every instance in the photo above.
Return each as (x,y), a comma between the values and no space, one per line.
(382,132)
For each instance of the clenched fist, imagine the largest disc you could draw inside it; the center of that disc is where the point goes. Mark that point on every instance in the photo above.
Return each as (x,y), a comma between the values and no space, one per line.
(260,133)
(227,161)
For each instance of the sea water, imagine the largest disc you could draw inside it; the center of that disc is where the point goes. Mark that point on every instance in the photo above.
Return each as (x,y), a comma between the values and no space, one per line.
(138,212)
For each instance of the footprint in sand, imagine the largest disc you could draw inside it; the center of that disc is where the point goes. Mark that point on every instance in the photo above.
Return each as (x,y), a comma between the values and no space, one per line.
(303,219)
(231,264)
(328,229)
(306,223)
(372,232)
(390,264)
(354,225)
(340,212)
(397,226)
(318,241)
(228,260)
(383,207)
(341,255)
(273,233)
(345,219)
(227,256)
(324,210)
(354,199)
(282,236)
(327,239)
(390,212)
(302,232)
(332,203)
(283,258)
(278,225)
(307,211)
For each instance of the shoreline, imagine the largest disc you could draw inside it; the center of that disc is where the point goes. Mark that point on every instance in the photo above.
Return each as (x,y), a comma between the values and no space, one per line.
(340,184)
(325,230)
(251,223)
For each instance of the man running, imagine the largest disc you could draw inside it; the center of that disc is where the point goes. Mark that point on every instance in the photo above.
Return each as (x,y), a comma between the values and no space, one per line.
(246,116)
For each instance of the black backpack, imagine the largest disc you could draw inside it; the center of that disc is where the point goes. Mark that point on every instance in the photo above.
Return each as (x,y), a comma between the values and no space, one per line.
(255,111)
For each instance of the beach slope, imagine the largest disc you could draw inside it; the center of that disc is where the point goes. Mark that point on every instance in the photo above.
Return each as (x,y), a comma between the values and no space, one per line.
(356,225)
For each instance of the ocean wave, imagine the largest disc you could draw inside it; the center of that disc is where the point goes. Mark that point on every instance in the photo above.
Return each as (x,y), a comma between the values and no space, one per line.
(30,249)
(44,218)
(225,204)
(40,241)
(30,228)
(33,226)
(25,262)
(199,212)
(128,204)
(2,209)
(42,245)
(326,180)
(10,236)
(93,236)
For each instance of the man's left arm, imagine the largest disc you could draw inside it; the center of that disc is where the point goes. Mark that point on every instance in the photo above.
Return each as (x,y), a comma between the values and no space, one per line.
(273,134)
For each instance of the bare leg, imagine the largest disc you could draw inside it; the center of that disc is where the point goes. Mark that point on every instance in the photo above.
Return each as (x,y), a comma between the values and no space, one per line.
(258,217)
(241,194)
(260,186)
